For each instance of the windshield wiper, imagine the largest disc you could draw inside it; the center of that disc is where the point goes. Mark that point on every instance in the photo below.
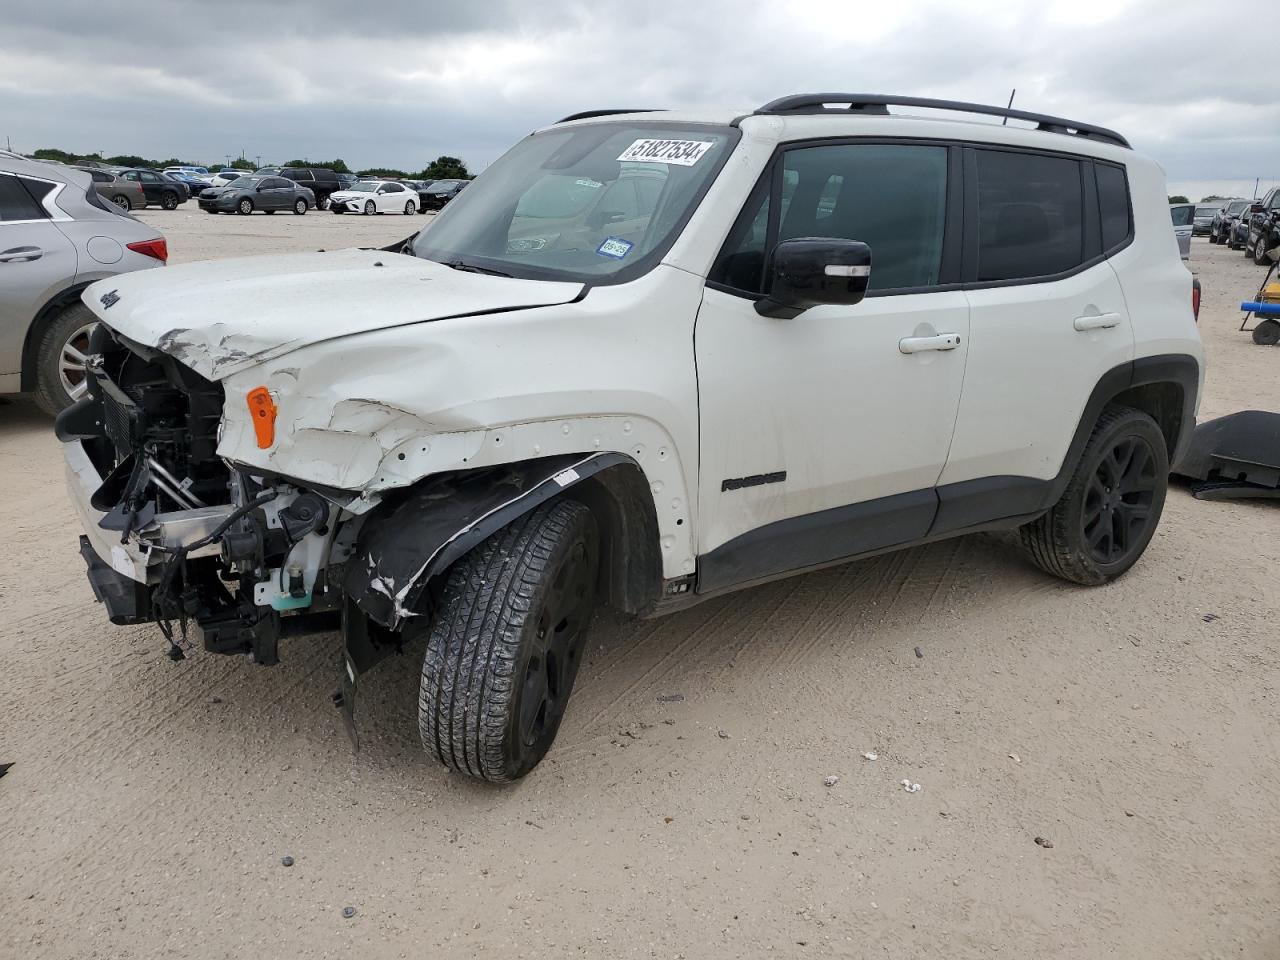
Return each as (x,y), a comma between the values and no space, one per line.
(472,268)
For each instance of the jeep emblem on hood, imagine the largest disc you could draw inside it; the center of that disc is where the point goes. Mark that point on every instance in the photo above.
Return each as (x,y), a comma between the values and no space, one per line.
(109,299)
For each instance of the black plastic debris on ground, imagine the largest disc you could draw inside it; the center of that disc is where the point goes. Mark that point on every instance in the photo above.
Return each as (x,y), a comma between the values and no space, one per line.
(1236,456)
(4,768)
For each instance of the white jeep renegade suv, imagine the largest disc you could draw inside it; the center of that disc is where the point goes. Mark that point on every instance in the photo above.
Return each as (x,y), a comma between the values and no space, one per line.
(647,358)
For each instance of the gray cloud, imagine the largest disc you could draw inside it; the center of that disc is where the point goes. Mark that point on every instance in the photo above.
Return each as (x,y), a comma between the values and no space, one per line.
(397,84)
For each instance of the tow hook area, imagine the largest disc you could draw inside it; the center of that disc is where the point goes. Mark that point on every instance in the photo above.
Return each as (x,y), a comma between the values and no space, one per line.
(365,644)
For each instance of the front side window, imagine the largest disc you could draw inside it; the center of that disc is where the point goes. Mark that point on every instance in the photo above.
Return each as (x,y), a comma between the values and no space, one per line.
(565,204)
(890,196)
(17,201)
(1030,221)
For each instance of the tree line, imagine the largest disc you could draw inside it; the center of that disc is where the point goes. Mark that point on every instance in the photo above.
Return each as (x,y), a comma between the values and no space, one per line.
(441,168)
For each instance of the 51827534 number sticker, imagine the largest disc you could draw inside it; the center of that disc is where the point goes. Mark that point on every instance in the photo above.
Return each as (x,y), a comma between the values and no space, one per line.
(684,153)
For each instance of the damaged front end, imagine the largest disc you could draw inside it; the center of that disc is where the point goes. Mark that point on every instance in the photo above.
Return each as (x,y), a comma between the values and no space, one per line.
(174,534)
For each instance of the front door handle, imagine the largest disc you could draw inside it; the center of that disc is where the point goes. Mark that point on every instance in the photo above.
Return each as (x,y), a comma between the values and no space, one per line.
(943,341)
(21,254)
(1102,321)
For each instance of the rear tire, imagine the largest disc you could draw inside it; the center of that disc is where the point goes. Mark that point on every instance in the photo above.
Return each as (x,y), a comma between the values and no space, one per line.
(299,207)
(409,209)
(1110,510)
(59,359)
(1267,333)
(123,202)
(505,643)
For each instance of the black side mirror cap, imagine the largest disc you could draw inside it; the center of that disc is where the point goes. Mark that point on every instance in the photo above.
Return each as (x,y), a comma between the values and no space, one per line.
(809,271)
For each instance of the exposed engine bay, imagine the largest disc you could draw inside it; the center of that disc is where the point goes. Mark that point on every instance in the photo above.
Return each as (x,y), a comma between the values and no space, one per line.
(243,557)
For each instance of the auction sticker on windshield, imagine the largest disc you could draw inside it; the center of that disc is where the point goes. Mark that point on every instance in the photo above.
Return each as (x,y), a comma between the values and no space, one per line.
(615,247)
(685,153)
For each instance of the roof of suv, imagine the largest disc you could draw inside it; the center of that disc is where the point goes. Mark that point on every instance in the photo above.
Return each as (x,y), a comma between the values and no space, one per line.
(812,115)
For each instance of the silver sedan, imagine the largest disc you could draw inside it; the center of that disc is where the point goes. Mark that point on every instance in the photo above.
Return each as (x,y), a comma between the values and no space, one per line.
(57,235)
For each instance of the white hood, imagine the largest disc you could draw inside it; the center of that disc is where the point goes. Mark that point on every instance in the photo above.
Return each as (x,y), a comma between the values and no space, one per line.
(220,317)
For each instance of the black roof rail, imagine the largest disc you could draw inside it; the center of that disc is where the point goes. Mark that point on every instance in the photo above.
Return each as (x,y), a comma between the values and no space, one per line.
(590,114)
(876,104)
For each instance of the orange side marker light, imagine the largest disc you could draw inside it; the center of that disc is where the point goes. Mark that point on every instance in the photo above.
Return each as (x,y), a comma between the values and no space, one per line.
(263,410)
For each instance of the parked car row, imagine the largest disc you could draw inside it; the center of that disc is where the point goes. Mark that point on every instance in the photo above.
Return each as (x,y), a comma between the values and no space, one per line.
(1249,225)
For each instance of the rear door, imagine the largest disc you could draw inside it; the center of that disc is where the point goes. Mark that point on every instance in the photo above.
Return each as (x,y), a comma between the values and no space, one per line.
(1047,320)
(36,263)
(1183,216)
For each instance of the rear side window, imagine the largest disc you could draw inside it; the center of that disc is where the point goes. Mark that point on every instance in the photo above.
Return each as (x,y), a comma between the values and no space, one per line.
(1030,221)
(18,200)
(1113,206)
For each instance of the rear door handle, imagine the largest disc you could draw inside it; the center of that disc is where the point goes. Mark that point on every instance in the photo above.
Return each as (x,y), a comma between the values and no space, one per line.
(1102,321)
(21,254)
(943,341)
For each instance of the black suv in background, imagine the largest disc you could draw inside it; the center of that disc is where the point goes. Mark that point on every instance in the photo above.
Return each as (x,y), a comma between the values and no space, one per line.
(439,193)
(1264,226)
(319,180)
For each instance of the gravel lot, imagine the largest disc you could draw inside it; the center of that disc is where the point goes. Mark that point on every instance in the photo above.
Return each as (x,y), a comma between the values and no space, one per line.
(682,811)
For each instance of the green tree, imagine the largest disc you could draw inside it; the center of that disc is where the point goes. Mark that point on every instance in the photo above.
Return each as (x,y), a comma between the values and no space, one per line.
(1179,199)
(445,168)
(1212,198)
(52,153)
(240,163)
(129,160)
(382,172)
(337,166)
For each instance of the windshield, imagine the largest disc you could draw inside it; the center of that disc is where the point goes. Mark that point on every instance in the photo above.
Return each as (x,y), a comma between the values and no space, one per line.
(588,203)
(1182,216)
(364,186)
(1236,206)
(244,183)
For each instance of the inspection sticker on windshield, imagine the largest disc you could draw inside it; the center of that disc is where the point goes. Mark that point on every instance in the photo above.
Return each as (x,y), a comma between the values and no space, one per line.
(685,153)
(614,247)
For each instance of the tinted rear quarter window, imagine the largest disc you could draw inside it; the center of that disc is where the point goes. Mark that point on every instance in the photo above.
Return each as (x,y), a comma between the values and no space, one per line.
(18,199)
(1113,205)
(1029,215)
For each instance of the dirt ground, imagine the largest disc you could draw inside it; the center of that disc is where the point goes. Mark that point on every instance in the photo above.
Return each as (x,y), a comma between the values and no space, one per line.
(682,812)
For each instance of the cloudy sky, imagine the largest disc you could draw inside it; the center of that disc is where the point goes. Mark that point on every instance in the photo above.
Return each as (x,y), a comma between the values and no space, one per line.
(399,82)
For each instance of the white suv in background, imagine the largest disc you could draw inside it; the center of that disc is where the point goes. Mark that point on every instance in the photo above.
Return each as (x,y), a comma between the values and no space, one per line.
(647,358)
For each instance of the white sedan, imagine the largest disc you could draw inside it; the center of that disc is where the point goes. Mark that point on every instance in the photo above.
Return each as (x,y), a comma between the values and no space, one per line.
(374,196)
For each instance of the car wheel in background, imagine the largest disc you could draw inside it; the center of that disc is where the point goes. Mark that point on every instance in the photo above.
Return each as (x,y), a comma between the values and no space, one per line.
(123,202)
(1260,251)
(244,207)
(1267,333)
(169,201)
(299,206)
(323,203)
(369,208)
(60,358)
(409,209)
(337,208)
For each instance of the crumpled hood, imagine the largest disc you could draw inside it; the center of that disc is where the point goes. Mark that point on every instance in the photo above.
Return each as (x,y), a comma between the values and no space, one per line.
(220,317)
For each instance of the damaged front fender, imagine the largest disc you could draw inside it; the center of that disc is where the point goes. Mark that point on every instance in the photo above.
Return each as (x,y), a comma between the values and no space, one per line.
(402,545)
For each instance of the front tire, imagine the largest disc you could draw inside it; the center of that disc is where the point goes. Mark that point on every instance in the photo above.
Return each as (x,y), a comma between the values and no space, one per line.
(244,207)
(1107,515)
(369,208)
(169,201)
(60,373)
(506,641)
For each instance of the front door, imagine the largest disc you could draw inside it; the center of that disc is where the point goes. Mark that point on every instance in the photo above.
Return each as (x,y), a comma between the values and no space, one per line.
(823,436)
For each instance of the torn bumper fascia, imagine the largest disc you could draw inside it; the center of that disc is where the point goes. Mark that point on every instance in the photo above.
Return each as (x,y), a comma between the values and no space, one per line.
(401,547)
(135,559)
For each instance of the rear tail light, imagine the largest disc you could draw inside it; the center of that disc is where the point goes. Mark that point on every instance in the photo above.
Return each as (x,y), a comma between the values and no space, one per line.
(158,248)
(1195,299)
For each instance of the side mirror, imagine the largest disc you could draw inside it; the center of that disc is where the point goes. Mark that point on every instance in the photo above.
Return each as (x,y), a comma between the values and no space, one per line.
(1255,208)
(811,271)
